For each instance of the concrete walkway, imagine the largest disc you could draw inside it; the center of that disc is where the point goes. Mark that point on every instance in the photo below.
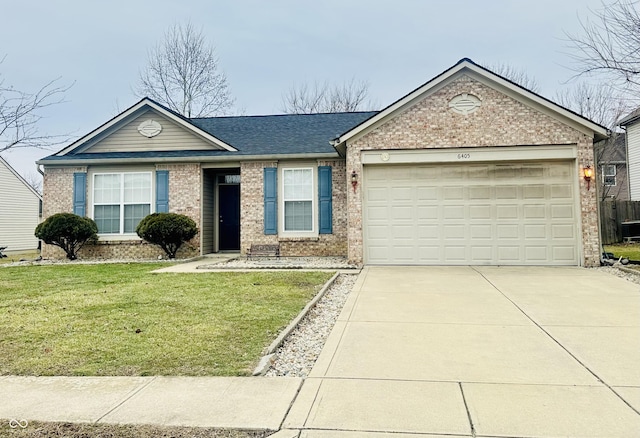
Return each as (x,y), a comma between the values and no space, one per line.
(227,402)
(492,351)
(417,351)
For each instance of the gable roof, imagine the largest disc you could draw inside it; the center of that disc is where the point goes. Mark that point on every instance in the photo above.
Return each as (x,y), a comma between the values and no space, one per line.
(614,151)
(129,114)
(467,66)
(277,136)
(631,118)
(20,178)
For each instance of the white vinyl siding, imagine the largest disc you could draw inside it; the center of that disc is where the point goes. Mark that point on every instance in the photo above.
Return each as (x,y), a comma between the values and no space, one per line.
(472,214)
(298,199)
(633,166)
(19,211)
(121,201)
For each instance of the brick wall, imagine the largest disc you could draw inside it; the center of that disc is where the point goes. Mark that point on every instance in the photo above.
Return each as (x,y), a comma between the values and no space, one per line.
(184,198)
(252,214)
(500,121)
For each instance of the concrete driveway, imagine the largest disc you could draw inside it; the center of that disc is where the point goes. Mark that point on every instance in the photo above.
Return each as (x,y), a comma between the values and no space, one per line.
(478,351)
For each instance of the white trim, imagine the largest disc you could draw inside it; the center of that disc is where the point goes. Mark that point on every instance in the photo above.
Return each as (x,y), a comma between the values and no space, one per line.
(465,66)
(134,109)
(470,155)
(605,175)
(314,200)
(121,203)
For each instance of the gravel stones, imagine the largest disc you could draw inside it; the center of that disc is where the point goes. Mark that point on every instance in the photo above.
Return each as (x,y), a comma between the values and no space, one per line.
(282,263)
(298,353)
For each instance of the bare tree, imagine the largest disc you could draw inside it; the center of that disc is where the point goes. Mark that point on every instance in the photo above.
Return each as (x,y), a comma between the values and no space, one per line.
(34,179)
(20,112)
(610,45)
(183,73)
(350,96)
(514,74)
(602,104)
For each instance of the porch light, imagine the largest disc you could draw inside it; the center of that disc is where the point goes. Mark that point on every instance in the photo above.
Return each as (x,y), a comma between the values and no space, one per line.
(588,174)
(354,180)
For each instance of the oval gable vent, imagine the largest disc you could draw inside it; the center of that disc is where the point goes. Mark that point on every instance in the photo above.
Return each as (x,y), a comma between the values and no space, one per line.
(465,103)
(149,128)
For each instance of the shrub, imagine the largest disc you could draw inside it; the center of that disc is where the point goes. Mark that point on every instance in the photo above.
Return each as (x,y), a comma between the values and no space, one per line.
(167,230)
(68,231)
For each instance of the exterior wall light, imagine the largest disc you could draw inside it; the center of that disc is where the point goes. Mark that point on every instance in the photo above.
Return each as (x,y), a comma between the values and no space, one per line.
(354,180)
(588,174)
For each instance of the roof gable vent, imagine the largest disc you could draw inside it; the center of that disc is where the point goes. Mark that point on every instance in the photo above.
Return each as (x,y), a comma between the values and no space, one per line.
(464,103)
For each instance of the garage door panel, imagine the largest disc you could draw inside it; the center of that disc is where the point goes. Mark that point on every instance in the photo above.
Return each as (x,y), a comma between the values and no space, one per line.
(534,211)
(481,231)
(402,213)
(482,254)
(452,193)
(506,192)
(513,214)
(476,193)
(506,212)
(455,253)
(563,231)
(453,212)
(536,253)
(535,231)
(563,211)
(533,191)
(479,212)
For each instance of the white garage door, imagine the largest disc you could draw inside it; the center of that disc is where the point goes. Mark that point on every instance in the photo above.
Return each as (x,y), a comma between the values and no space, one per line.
(474,214)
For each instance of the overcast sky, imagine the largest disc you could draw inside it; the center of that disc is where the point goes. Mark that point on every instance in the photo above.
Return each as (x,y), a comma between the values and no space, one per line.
(266,46)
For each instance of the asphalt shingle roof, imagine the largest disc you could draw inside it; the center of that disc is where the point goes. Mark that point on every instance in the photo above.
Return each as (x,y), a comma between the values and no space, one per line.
(282,134)
(256,135)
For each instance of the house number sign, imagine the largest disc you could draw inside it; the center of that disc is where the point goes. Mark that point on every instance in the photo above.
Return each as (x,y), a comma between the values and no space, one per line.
(464,156)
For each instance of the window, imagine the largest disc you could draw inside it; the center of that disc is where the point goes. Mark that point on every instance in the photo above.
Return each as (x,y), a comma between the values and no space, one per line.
(298,199)
(609,174)
(120,201)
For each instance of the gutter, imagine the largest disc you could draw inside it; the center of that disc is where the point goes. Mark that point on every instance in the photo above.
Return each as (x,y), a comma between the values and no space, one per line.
(192,159)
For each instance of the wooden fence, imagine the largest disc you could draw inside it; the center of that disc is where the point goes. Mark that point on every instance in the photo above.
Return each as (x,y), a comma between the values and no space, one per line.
(612,214)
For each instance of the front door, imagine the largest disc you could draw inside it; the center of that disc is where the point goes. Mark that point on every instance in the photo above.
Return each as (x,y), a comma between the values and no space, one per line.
(229,218)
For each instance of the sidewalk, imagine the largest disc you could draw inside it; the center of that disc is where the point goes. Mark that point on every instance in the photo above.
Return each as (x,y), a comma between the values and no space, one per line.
(224,402)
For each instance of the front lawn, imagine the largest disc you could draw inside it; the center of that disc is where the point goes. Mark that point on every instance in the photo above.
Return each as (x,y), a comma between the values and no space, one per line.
(119,319)
(627,250)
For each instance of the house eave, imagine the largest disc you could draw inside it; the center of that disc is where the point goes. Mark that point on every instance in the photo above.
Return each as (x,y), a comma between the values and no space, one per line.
(190,159)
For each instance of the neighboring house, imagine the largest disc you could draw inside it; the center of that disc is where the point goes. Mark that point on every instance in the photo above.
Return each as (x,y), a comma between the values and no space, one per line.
(631,124)
(611,156)
(19,210)
(467,169)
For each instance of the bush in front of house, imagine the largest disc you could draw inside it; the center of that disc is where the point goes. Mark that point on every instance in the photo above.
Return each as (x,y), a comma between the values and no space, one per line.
(68,231)
(167,230)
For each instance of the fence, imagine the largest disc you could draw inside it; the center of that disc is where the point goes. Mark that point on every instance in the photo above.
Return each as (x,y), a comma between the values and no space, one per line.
(612,214)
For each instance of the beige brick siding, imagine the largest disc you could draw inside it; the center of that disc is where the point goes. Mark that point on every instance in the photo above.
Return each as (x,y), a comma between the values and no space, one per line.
(252,214)
(500,121)
(184,198)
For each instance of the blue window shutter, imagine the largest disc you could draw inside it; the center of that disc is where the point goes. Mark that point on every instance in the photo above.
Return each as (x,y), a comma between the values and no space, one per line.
(270,201)
(324,199)
(80,193)
(162,191)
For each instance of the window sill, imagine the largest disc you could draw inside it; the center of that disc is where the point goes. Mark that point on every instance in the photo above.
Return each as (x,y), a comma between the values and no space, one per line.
(115,238)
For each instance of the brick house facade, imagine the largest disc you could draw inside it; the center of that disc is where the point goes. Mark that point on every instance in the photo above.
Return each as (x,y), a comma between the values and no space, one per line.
(318,195)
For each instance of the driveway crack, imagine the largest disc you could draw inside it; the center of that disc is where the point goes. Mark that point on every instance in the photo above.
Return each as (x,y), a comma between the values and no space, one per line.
(466,407)
(556,341)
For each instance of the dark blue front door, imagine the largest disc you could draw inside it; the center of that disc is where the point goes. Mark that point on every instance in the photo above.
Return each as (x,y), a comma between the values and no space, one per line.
(229,217)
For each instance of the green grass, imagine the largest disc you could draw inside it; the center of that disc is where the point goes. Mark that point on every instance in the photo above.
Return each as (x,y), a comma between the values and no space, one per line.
(119,319)
(628,250)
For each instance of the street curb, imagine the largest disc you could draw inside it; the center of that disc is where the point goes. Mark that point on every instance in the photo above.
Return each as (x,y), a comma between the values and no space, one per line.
(266,359)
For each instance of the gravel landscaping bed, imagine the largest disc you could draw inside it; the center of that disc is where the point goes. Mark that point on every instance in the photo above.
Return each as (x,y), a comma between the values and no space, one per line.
(282,263)
(299,352)
(631,276)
